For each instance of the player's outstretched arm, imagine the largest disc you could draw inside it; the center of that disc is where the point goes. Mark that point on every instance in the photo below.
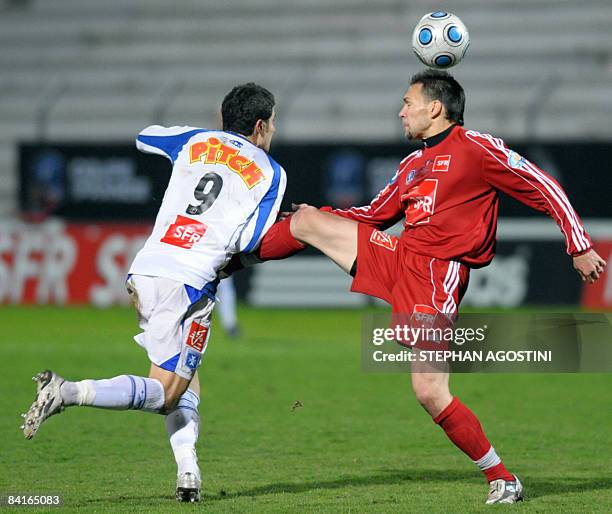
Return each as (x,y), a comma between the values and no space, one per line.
(589,266)
(383,211)
(511,173)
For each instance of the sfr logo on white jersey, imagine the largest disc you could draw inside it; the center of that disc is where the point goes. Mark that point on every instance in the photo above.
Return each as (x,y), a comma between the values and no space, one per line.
(184,232)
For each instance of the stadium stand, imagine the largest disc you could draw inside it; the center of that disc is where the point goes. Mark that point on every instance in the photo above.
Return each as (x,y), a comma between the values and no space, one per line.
(100,71)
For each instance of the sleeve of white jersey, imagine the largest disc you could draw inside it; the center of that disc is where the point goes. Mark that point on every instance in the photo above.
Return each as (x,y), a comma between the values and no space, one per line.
(166,141)
(265,215)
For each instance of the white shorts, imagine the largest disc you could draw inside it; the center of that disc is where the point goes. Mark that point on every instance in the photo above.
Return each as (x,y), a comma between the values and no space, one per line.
(175,319)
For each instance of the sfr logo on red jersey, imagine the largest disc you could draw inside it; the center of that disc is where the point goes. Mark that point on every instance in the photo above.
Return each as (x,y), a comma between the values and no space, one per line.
(184,232)
(197,336)
(441,163)
(421,201)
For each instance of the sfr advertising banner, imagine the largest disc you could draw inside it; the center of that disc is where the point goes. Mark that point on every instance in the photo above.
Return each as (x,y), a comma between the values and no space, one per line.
(55,262)
(60,263)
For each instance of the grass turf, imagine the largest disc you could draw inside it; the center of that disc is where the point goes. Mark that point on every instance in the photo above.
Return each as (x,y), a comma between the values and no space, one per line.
(358,442)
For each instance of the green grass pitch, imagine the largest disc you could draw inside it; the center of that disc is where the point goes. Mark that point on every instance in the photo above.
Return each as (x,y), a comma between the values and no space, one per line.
(358,442)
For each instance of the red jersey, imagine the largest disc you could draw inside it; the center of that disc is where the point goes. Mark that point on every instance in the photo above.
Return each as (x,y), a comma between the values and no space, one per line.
(448,194)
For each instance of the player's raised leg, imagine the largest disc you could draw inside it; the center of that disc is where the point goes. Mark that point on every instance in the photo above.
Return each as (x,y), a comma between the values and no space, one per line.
(123,392)
(158,393)
(335,236)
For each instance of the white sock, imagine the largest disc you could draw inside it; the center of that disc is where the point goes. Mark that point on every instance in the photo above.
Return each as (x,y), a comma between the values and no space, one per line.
(119,393)
(183,426)
(488,460)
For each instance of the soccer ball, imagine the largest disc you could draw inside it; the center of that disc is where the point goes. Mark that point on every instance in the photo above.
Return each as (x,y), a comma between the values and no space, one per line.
(440,40)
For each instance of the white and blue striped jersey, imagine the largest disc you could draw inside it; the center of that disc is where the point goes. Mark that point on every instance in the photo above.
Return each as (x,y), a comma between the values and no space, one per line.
(224,194)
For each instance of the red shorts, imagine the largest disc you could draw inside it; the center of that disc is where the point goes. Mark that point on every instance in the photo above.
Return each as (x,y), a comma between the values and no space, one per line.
(413,284)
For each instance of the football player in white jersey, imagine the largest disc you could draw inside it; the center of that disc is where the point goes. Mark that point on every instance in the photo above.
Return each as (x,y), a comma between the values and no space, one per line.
(224,194)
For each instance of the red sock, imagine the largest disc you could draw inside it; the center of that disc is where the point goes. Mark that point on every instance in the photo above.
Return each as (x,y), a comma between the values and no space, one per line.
(278,243)
(463,428)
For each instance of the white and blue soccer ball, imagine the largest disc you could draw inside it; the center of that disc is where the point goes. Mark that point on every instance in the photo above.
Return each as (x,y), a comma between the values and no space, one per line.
(440,40)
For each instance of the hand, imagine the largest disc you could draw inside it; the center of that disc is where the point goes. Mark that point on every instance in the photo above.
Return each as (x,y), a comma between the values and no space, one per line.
(283,215)
(589,266)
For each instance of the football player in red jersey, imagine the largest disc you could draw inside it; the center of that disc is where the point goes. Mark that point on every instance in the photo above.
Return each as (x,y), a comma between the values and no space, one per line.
(447,194)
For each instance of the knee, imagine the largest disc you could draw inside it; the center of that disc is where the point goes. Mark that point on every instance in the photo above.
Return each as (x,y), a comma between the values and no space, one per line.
(425,396)
(428,394)
(303,222)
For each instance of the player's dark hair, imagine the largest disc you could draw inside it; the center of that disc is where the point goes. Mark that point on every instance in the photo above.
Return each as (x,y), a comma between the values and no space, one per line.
(440,85)
(244,105)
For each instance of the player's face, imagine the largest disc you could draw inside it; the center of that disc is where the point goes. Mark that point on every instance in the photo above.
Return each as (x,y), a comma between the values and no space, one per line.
(267,132)
(415,113)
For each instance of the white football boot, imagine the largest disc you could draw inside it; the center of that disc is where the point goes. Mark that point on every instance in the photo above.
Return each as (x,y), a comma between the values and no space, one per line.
(48,402)
(505,491)
(188,487)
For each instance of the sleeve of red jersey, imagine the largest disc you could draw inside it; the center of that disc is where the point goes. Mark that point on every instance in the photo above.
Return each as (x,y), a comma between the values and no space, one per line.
(384,210)
(516,176)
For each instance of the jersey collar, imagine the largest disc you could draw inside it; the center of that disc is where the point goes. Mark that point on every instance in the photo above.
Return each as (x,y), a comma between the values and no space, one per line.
(241,136)
(438,138)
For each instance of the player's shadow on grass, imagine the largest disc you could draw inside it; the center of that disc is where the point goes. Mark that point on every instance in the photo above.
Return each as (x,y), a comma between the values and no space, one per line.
(540,487)
(535,487)
(390,477)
